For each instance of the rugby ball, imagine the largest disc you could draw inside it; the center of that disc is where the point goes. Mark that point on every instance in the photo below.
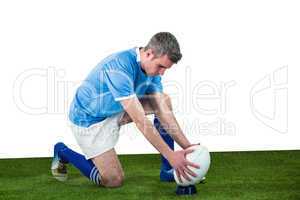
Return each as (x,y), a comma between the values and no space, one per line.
(201,157)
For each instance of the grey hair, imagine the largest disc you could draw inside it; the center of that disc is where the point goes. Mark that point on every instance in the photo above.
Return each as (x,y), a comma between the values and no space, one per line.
(164,43)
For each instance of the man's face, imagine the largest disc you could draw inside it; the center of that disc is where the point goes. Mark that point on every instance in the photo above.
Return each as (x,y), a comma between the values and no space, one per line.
(154,66)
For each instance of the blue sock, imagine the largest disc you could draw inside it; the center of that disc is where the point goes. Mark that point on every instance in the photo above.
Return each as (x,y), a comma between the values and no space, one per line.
(86,167)
(165,165)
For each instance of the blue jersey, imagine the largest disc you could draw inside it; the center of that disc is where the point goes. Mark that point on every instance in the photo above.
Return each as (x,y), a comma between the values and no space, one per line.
(117,77)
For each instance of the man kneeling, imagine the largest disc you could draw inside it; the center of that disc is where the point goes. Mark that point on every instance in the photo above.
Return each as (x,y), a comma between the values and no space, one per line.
(124,87)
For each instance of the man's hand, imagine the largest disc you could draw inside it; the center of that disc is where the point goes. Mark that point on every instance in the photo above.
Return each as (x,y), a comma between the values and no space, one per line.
(180,164)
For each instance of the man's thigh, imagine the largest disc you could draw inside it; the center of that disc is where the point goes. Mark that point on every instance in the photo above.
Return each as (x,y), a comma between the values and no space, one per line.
(110,168)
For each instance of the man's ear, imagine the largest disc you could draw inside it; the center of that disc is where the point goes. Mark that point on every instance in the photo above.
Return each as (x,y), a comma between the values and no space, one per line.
(150,53)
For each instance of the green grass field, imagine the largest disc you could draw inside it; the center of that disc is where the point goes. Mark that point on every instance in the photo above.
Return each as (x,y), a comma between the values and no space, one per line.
(236,175)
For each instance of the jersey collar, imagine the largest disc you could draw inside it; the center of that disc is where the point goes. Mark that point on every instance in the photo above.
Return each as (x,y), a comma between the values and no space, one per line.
(138,56)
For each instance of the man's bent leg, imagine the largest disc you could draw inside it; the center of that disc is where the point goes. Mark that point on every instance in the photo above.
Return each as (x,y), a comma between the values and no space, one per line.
(110,168)
(165,165)
(64,155)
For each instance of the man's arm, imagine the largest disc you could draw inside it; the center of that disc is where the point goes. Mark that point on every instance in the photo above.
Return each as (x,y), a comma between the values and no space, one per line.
(135,110)
(177,159)
(168,119)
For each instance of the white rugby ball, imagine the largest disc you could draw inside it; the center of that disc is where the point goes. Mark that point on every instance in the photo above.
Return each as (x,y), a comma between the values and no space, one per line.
(201,157)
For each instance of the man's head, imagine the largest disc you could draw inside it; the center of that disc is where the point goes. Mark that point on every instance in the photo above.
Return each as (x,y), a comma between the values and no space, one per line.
(160,54)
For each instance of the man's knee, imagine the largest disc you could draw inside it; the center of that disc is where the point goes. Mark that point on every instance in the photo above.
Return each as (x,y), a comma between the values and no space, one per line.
(113,181)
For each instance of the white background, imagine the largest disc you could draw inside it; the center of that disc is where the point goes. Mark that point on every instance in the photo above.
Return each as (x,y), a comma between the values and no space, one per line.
(236,88)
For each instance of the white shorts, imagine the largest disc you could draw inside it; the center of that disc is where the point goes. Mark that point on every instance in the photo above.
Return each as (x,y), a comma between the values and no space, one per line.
(99,137)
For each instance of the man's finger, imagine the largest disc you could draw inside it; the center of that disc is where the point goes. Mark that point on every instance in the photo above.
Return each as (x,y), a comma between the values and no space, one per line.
(178,175)
(190,172)
(187,151)
(194,145)
(185,175)
(193,164)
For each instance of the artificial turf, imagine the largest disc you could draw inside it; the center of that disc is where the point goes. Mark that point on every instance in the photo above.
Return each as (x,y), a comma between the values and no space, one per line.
(233,175)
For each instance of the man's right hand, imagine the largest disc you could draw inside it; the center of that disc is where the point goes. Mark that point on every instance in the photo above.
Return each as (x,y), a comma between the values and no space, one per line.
(180,164)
